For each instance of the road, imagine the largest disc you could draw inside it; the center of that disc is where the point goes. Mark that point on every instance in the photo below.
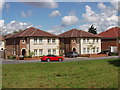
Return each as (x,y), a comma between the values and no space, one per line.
(7,61)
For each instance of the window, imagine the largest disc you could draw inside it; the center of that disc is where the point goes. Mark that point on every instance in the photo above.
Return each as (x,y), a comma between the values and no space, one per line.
(35,52)
(53,40)
(87,40)
(88,50)
(40,52)
(23,41)
(84,40)
(84,50)
(49,40)
(97,40)
(40,41)
(93,49)
(49,51)
(54,51)
(97,49)
(35,41)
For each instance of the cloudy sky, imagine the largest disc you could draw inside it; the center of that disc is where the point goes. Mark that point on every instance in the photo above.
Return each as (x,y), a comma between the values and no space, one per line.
(58,17)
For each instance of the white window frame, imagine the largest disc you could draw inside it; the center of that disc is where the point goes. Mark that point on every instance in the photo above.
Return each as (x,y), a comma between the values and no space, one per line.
(84,50)
(84,40)
(54,51)
(97,40)
(49,51)
(88,50)
(35,52)
(40,53)
(97,50)
(35,40)
(93,50)
(54,40)
(40,41)
(48,41)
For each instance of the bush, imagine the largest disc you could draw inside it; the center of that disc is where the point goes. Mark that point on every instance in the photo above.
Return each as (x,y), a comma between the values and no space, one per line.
(114,54)
(27,56)
(11,57)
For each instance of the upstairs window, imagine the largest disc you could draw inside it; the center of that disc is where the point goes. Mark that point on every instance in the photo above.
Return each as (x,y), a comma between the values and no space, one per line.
(53,41)
(49,40)
(35,41)
(84,40)
(40,41)
(97,40)
(87,40)
(93,40)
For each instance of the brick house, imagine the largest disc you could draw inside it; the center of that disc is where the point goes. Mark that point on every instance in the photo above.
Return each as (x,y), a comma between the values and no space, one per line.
(111,39)
(79,41)
(32,40)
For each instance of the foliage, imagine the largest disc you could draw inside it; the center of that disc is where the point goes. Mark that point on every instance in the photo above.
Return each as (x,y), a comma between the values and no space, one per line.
(11,57)
(114,54)
(92,30)
(31,54)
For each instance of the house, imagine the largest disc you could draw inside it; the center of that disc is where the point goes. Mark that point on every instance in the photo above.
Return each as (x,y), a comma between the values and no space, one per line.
(32,40)
(2,44)
(80,41)
(111,39)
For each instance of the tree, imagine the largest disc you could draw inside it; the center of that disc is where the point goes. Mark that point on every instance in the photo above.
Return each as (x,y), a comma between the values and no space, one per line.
(92,30)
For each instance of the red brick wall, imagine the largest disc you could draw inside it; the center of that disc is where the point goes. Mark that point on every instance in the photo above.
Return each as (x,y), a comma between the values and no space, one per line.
(106,43)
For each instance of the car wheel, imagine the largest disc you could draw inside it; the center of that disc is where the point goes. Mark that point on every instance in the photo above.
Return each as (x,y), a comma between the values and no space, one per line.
(60,59)
(48,60)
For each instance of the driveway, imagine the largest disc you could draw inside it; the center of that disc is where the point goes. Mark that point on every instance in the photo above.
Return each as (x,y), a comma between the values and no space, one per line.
(7,61)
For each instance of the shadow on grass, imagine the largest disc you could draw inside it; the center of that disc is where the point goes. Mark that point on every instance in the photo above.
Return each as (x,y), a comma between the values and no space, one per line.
(115,62)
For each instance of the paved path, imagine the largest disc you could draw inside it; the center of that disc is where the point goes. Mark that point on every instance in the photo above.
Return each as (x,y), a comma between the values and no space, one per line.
(7,61)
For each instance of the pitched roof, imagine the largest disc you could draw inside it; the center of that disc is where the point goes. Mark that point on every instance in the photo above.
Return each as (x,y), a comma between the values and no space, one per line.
(1,38)
(113,32)
(31,32)
(77,33)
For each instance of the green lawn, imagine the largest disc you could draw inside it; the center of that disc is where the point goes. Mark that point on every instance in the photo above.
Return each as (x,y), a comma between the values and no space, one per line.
(80,74)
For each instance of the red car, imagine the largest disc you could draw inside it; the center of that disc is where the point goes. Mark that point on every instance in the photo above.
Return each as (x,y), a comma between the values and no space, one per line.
(49,58)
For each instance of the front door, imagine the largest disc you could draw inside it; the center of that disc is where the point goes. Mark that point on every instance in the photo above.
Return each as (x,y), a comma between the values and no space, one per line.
(23,52)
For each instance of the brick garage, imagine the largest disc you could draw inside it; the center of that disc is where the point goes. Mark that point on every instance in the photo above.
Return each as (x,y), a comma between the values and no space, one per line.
(111,38)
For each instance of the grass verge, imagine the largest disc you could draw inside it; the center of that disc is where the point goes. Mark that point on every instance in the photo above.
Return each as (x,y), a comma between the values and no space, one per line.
(79,74)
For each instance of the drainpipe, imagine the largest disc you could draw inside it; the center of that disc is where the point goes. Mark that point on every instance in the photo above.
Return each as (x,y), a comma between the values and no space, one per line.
(29,45)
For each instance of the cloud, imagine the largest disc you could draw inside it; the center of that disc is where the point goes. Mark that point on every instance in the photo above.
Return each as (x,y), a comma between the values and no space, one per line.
(106,18)
(1,22)
(55,13)
(46,4)
(101,6)
(15,26)
(69,20)
(26,14)
(57,29)
(1,5)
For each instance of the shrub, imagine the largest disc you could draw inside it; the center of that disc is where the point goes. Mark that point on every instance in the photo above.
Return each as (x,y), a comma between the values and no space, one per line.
(11,57)
(114,54)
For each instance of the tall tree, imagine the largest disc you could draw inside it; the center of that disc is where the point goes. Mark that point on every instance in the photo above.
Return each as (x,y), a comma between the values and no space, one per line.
(92,30)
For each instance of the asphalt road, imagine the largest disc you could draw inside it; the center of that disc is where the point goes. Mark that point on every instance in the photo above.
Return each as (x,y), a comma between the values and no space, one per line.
(7,61)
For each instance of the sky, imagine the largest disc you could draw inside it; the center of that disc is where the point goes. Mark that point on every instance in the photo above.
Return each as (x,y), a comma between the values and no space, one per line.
(58,17)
